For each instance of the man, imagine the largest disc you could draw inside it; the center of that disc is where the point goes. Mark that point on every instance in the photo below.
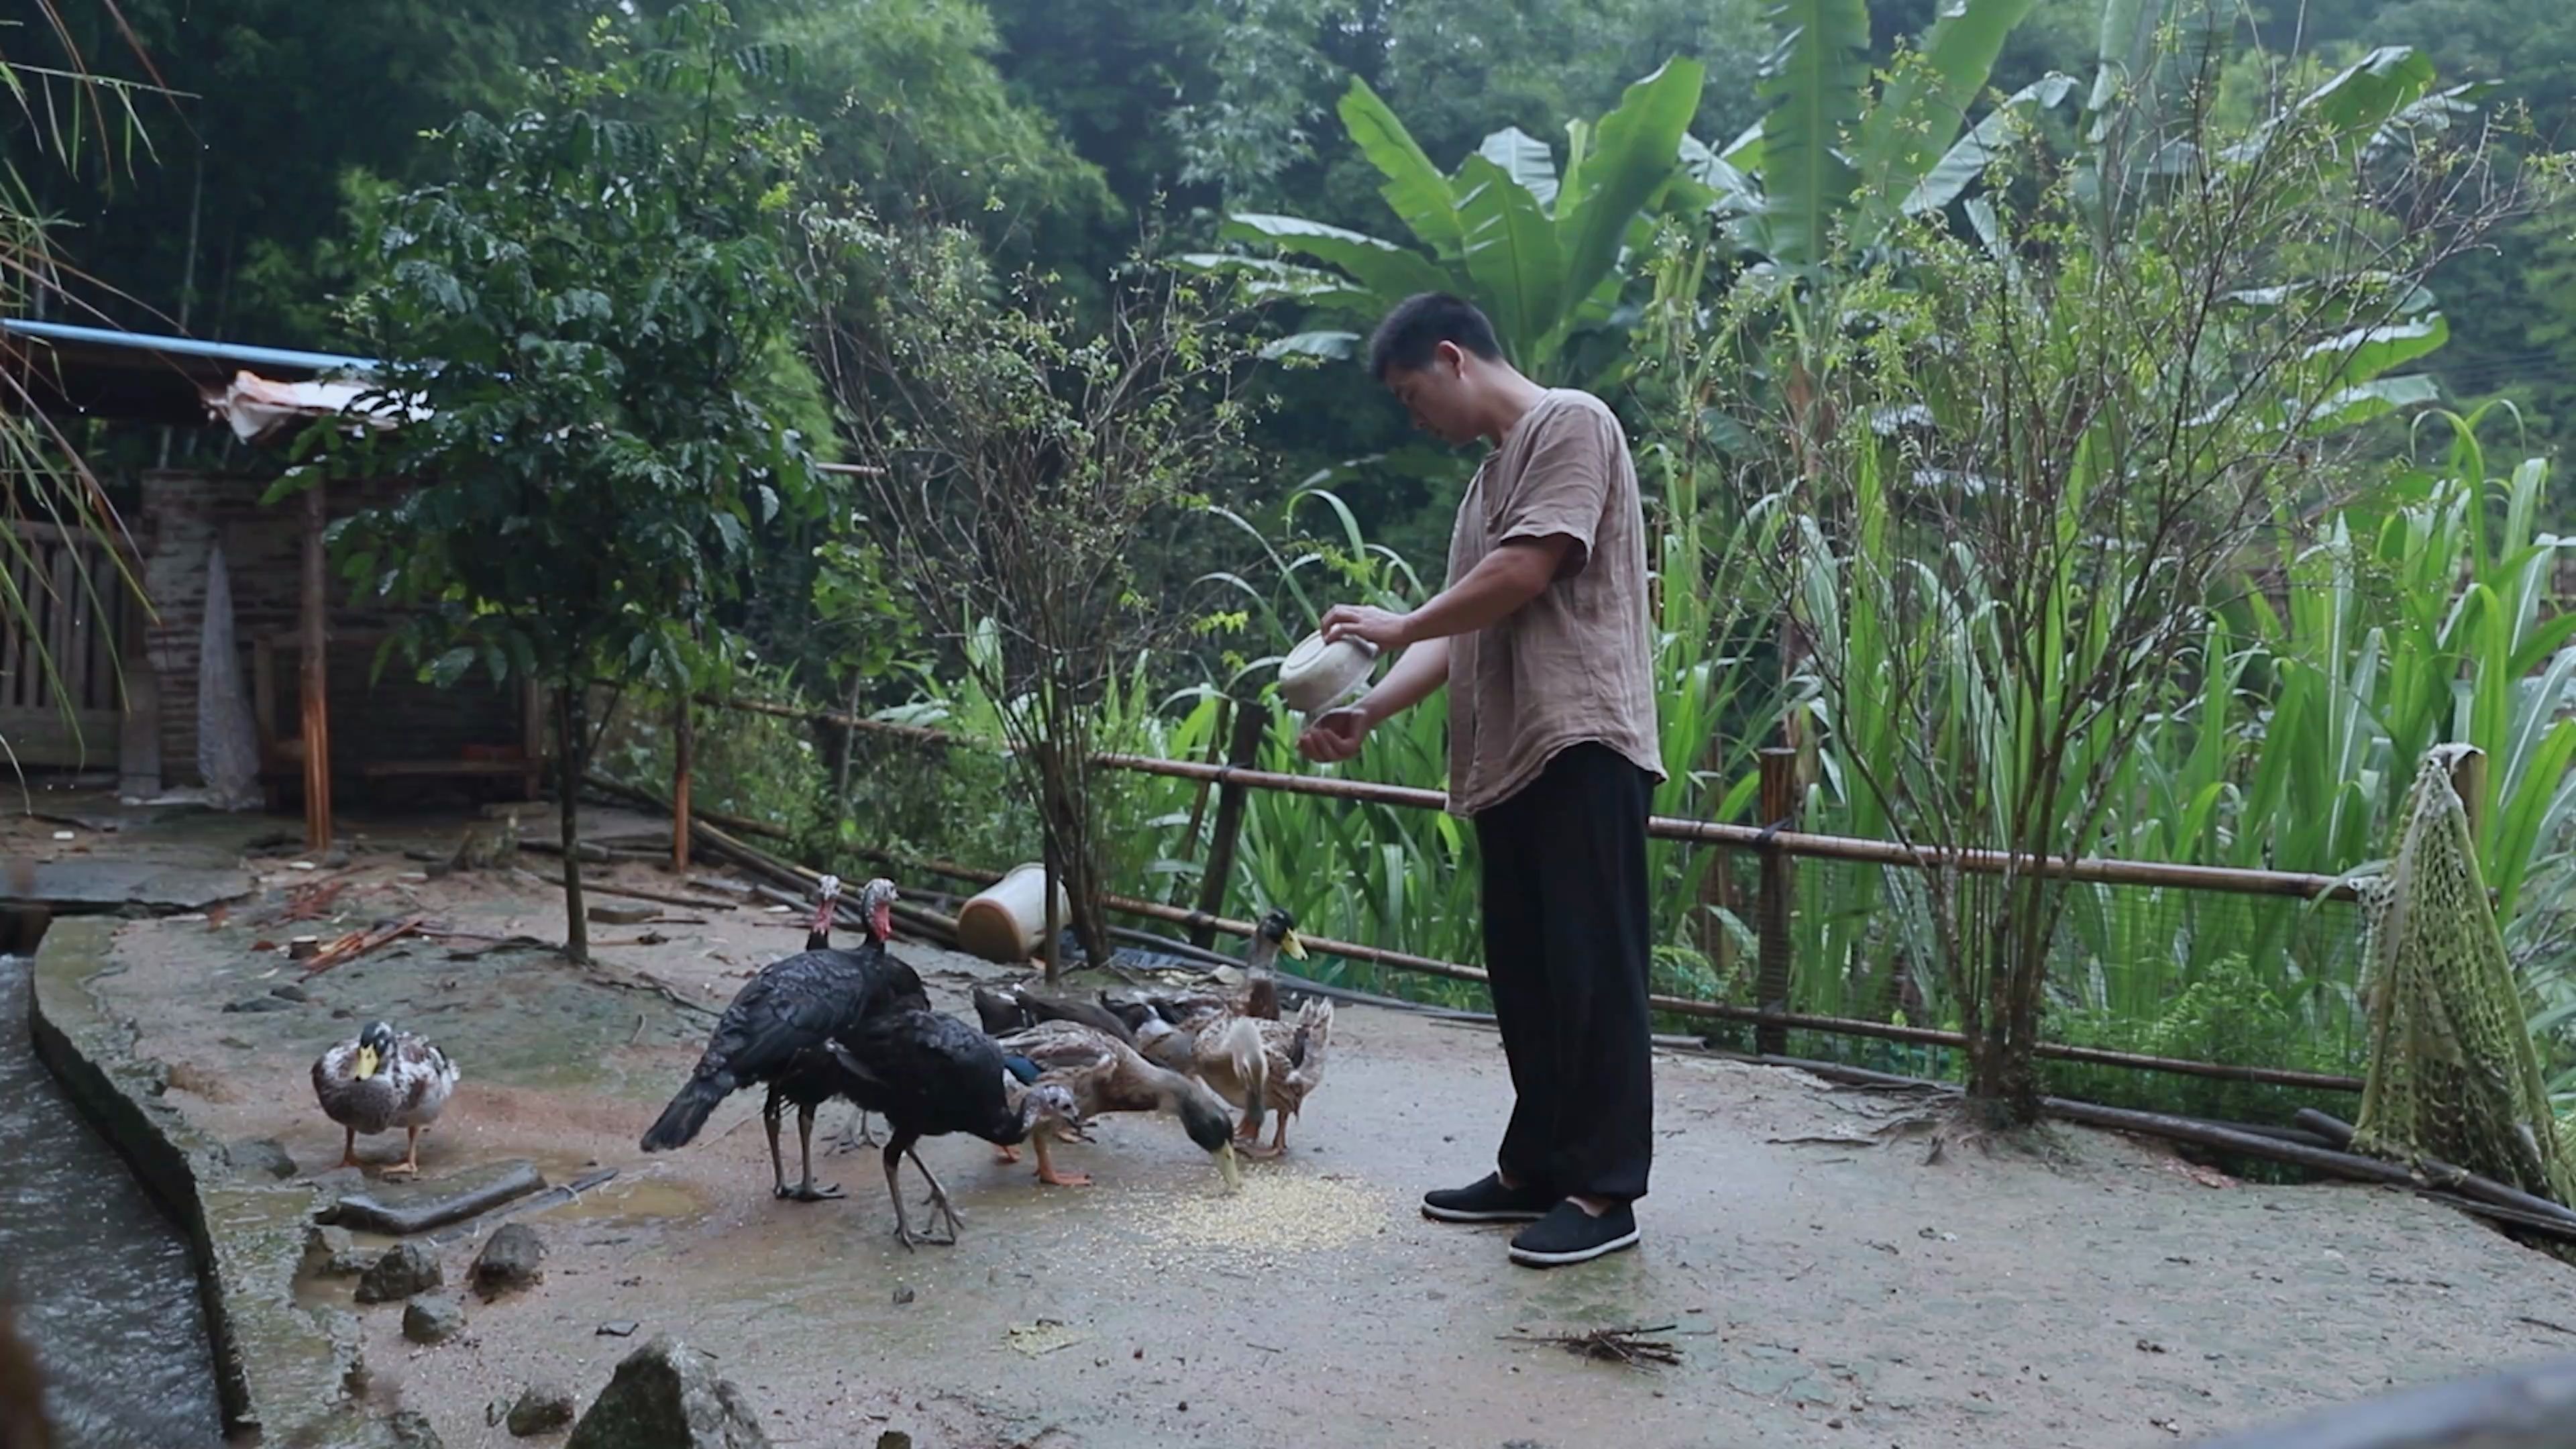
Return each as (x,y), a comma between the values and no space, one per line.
(1541,637)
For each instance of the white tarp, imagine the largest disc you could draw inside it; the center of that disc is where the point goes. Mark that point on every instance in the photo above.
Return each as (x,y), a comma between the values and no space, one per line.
(254,406)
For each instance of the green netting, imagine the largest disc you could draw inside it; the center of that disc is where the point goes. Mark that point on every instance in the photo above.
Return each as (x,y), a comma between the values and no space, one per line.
(2453,1073)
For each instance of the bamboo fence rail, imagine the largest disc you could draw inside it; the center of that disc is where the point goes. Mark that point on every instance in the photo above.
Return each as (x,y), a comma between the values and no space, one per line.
(1777,848)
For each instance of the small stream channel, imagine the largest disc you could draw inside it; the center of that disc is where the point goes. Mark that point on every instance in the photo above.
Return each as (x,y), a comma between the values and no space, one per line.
(102,1281)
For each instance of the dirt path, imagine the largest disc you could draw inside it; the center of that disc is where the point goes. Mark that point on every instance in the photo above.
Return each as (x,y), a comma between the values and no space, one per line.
(1824,1292)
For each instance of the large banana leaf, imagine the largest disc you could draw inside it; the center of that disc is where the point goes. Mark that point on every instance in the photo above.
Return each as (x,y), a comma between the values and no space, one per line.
(1511,257)
(1384,268)
(2353,105)
(1925,103)
(1524,158)
(1814,83)
(1630,158)
(1414,187)
(1967,160)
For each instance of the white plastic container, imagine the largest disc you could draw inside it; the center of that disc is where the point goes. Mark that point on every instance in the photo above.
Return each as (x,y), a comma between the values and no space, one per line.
(1006,921)
(1316,676)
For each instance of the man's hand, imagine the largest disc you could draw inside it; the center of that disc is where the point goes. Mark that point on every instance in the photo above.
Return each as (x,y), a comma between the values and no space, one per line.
(1376,626)
(1334,735)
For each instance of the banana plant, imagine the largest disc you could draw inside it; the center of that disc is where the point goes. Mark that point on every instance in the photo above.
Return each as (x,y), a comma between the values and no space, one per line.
(1830,155)
(1544,252)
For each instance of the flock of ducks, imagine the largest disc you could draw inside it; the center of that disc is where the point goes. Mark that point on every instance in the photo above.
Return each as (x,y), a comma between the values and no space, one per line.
(856,1024)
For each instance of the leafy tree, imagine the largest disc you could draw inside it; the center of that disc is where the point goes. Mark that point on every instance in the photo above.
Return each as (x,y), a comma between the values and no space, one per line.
(912,113)
(583,314)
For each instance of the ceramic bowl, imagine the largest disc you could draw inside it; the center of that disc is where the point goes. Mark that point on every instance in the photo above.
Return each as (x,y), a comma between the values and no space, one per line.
(1317,676)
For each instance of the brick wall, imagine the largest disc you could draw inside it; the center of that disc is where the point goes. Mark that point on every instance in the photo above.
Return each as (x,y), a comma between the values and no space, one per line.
(396,717)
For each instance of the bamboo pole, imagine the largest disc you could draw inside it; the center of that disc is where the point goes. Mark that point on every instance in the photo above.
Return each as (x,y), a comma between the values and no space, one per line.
(1709,1010)
(2485,1189)
(2143,873)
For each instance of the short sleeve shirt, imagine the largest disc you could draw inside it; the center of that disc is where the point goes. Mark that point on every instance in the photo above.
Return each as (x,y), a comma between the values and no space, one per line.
(1572,666)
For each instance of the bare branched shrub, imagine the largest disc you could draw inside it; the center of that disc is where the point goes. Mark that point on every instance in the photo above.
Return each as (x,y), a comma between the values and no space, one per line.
(1026,477)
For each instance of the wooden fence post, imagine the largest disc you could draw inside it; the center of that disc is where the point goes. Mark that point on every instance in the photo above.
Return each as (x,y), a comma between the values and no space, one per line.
(1242,749)
(1217,739)
(682,743)
(1779,889)
(316,690)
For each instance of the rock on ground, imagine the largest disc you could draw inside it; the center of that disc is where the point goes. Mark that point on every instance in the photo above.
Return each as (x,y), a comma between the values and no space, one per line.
(510,1260)
(541,1409)
(667,1396)
(334,1252)
(433,1318)
(411,1430)
(405,1269)
(261,1157)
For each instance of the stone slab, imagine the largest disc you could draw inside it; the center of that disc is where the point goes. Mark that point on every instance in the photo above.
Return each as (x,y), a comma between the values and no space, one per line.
(77,887)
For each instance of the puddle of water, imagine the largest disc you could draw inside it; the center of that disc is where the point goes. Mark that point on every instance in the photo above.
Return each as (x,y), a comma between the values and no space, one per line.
(106,1290)
(629,1199)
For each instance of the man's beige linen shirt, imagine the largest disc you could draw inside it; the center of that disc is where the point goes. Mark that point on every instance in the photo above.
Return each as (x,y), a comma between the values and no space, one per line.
(1572,665)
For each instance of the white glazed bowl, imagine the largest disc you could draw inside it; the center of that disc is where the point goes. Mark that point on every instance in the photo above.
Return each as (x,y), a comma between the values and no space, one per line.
(1316,676)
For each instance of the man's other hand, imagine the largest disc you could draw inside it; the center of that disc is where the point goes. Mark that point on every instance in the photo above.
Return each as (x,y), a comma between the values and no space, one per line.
(1334,735)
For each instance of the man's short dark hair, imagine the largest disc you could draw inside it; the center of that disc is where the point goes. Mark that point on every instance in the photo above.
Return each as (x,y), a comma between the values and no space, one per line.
(1412,333)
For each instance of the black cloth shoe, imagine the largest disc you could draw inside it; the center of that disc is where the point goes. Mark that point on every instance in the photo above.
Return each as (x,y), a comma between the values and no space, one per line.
(1487,1201)
(1568,1234)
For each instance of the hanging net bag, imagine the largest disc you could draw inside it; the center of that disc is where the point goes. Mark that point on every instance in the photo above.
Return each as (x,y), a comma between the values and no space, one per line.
(2454,1076)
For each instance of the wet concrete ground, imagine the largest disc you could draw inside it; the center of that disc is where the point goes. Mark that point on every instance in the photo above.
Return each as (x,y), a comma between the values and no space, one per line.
(1822,1291)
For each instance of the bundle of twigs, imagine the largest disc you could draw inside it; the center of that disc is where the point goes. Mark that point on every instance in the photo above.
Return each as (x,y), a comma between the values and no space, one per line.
(1631,1347)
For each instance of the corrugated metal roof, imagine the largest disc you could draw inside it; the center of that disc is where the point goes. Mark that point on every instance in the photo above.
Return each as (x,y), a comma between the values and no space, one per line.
(231,352)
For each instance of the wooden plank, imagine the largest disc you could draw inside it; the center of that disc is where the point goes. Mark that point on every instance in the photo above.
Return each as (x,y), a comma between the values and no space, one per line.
(61,626)
(263,697)
(40,737)
(80,629)
(14,652)
(390,769)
